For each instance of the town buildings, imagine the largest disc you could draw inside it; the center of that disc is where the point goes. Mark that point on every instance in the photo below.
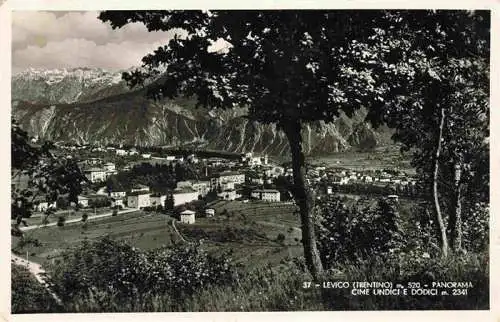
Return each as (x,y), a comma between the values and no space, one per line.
(228,195)
(184,195)
(117,203)
(230,176)
(157,199)
(271,195)
(117,194)
(140,187)
(95,174)
(138,199)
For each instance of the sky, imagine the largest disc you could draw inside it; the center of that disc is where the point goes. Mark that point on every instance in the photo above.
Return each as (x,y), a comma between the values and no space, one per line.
(62,39)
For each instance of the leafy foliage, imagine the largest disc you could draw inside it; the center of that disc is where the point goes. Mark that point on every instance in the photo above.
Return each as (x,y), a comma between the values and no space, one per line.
(28,295)
(122,270)
(46,177)
(448,65)
(315,54)
(160,177)
(358,232)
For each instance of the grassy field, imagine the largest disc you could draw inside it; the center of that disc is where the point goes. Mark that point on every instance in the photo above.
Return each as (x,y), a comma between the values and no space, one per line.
(37,218)
(255,233)
(146,231)
(249,230)
(376,160)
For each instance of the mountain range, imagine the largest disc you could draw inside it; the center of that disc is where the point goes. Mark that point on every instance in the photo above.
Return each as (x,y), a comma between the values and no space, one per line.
(94,106)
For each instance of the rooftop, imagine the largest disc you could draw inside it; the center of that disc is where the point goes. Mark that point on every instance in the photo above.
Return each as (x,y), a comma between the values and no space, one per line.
(95,170)
(138,193)
(188,212)
(230,173)
(267,190)
(139,186)
(184,190)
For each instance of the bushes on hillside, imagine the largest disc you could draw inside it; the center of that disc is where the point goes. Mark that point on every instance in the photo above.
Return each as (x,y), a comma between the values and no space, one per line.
(122,270)
(28,295)
(476,228)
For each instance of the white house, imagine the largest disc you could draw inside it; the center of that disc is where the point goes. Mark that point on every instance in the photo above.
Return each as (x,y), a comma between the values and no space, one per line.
(257,180)
(44,205)
(184,184)
(95,174)
(157,199)
(341,180)
(138,199)
(329,190)
(273,172)
(117,194)
(117,202)
(121,152)
(184,195)
(254,161)
(110,167)
(188,217)
(367,179)
(227,185)
(209,212)
(83,201)
(202,187)
(227,176)
(266,195)
(232,176)
(146,156)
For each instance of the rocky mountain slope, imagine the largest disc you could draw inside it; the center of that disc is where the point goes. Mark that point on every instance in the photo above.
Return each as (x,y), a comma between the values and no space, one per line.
(94,106)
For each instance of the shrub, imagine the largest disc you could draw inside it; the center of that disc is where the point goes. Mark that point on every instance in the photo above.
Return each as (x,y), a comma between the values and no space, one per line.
(117,268)
(357,232)
(27,241)
(28,295)
(476,228)
(61,221)
(280,238)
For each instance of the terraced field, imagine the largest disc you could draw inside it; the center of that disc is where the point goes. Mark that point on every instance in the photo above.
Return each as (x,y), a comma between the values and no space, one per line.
(256,233)
(143,230)
(250,230)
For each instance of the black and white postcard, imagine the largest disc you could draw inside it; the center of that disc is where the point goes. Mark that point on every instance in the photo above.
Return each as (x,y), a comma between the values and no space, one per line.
(250,160)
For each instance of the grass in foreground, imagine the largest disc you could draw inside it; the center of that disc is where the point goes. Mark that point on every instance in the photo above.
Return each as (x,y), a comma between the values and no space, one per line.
(282,289)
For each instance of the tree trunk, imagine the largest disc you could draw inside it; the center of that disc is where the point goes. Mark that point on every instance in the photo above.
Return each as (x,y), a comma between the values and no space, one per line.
(304,197)
(437,207)
(455,224)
